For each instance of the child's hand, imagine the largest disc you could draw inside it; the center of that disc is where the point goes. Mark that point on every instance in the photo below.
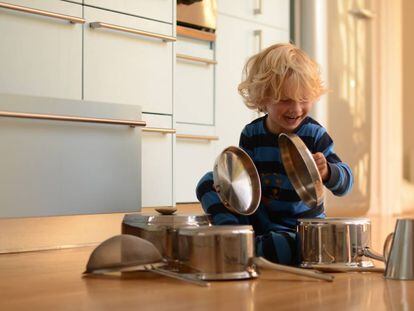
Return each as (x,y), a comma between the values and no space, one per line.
(322,165)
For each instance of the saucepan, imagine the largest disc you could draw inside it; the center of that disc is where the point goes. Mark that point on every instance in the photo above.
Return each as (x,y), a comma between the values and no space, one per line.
(337,244)
(228,253)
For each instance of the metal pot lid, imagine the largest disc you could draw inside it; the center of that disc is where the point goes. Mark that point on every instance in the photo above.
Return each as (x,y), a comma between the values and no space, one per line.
(216,230)
(334,220)
(154,219)
(237,181)
(301,169)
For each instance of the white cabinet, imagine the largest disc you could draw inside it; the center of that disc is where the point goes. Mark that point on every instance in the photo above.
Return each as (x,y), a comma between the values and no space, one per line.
(41,55)
(274,13)
(161,10)
(157,161)
(127,67)
(246,38)
(196,151)
(194,87)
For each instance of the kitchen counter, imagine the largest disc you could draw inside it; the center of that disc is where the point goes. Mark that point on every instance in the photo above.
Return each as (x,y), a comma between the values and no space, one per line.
(52,280)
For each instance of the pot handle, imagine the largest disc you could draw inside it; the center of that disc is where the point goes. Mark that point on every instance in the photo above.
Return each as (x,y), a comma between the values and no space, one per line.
(265,264)
(367,252)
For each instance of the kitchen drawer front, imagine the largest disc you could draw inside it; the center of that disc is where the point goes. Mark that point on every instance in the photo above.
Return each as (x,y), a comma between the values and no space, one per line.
(41,55)
(161,10)
(195,82)
(65,168)
(274,13)
(157,161)
(125,67)
(196,151)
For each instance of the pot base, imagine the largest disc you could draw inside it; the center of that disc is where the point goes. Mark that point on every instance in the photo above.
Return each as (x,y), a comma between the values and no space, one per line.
(363,266)
(228,276)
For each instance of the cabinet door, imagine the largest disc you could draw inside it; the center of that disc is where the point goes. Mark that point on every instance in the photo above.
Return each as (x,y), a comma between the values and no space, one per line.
(247,39)
(41,55)
(157,161)
(120,66)
(161,10)
(194,101)
(195,155)
(275,13)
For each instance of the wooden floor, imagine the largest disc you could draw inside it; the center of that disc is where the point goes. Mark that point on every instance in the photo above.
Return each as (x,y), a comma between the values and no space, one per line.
(52,280)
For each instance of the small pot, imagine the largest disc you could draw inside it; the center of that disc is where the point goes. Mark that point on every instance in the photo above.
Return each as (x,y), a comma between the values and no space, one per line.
(161,230)
(342,243)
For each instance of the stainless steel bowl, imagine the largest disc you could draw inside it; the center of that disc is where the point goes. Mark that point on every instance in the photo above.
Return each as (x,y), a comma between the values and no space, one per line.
(161,230)
(218,252)
(335,242)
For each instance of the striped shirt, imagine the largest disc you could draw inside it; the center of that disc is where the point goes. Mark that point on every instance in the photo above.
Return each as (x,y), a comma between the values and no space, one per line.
(280,205)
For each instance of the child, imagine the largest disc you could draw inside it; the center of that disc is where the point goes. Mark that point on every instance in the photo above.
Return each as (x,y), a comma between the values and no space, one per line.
(283,82)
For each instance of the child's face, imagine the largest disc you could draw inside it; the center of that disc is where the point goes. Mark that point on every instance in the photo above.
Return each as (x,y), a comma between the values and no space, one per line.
(286,115)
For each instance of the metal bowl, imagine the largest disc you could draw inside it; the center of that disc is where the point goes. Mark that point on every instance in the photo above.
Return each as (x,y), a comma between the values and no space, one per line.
(301,169)
(237,181)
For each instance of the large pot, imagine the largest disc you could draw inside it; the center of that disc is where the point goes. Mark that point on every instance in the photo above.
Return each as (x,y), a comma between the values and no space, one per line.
(341,243)
(161,230)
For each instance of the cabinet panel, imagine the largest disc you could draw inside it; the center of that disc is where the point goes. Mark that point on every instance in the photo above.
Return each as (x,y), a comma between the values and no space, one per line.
(161,10)
(274,13)
(125,67)
(247,39)
(41,55)
(157,162)
(194,158)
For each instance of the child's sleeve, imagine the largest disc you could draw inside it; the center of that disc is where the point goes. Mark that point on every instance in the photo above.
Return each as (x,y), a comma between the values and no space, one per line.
(246,142)
(341,179)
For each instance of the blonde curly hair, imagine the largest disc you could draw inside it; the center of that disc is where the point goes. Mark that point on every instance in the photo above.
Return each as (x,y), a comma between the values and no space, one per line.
(281,71)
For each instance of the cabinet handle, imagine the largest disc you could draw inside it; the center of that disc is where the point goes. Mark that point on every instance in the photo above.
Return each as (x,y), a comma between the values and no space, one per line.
(197,59)
(259,9)
(22,115)
(196,34)
(131,30)
(72,19)
(197,137)
(159,130)
(259,34)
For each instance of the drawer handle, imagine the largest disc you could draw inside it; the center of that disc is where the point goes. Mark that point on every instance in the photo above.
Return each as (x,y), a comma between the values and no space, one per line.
(259,9)
(22,115)
(197,59)
(72,19)
(197,137)
(131,30)
(159,130)
(259,35)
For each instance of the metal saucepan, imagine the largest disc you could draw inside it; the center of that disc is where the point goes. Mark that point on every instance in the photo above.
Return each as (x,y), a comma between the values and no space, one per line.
(301,169)
(228,253)
(237,181)
(341,244)
(161,229)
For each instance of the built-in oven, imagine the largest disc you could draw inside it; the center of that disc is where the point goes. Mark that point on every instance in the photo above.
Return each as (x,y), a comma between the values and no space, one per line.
(198,14)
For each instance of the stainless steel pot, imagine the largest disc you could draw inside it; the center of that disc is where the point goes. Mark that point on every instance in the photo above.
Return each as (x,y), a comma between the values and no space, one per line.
(161,230)
(342,243)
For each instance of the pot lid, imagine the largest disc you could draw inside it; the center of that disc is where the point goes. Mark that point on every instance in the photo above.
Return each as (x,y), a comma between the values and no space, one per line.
(301,169)
(155,219)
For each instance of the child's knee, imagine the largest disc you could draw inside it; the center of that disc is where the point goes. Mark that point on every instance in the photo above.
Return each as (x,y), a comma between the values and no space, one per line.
(204,185)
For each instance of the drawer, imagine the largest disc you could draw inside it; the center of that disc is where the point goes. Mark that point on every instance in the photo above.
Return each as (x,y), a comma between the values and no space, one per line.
(41,55)
(275,13)
(195,82)
(126,67)
(161,10)
(196,151)
(157,161)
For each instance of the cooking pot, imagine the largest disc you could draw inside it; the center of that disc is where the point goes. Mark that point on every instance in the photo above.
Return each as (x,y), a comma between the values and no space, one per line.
(336,243)
(161,230)
(227,253)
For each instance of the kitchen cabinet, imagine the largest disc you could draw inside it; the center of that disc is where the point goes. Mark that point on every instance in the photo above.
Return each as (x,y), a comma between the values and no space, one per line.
(161,10)
(195,76)
(274,13)
(196,151)
(247,38)
(41,55)
(126,67)
(157,161)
